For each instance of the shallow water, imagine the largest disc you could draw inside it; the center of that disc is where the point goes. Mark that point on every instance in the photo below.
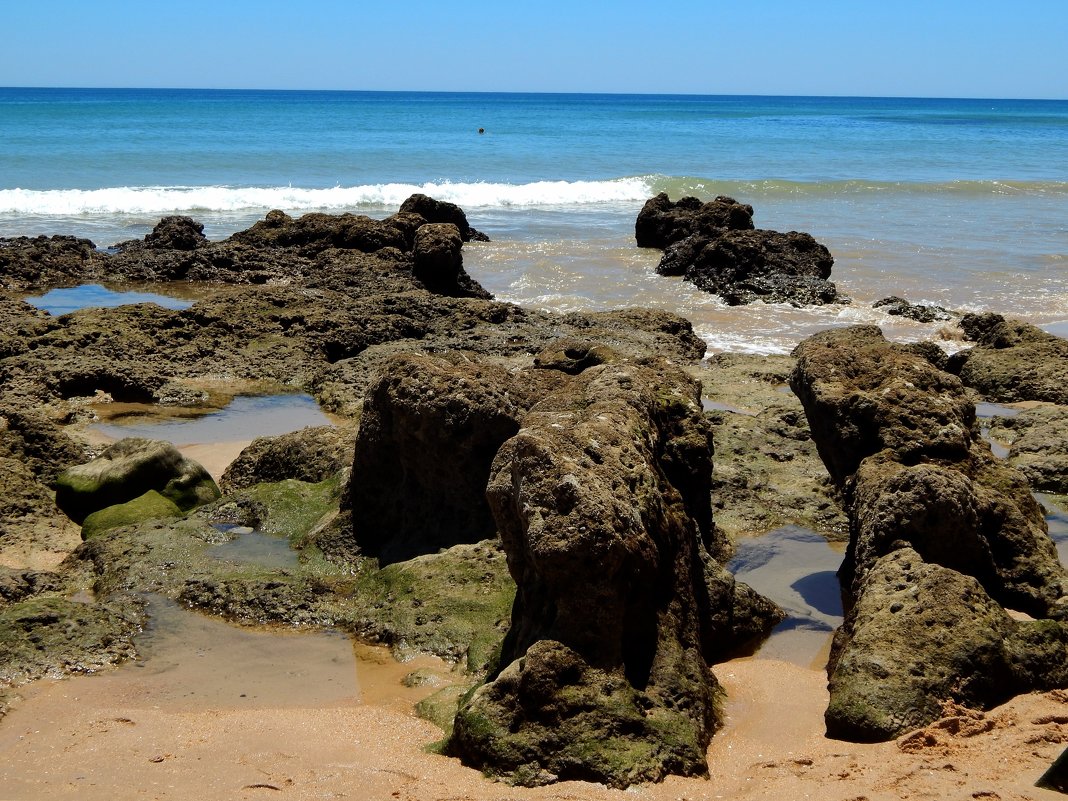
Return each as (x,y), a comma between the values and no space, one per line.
(244,418)
(797,569)
(1057,520)
(64,301)
(252,547)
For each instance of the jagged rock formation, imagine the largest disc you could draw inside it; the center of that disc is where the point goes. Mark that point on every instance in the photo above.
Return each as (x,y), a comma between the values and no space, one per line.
(942,537)
(602,501)
(1039,446)
(715,247)
(1012,361)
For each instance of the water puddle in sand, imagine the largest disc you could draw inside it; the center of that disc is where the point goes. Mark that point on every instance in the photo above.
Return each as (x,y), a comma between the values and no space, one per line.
(797,569)
(709,405)
(88,296)
(190,662)
(244,418)
(252,547)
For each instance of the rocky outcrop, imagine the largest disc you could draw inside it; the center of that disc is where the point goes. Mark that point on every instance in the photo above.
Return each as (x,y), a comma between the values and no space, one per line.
(1012,361)
(714,246)
(125,471)
(30,262)
(661,223)
(1038,440)
(311,455)
(602,501)
(437,261)
(440,211)
(429,431)
(929,506)
(170,233)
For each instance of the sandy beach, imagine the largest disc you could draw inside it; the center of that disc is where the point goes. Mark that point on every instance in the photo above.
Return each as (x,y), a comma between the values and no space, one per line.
(113,737)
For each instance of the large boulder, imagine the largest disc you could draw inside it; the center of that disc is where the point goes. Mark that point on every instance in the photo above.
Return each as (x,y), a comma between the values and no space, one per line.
(602,504)
(935,519)
(661,223)
(715,247)
(311,454)
(1038,440)
(170,233)
(32,262)
(1012,361)
(128,469)
(441,211)
(430,429)
(921,634)
(438,262)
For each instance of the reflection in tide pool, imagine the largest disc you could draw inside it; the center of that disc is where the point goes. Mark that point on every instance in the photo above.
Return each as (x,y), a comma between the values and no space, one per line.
(70,299)
(245,418)
(797,569)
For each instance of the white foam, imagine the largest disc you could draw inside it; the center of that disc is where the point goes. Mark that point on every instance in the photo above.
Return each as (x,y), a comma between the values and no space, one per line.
(164,199)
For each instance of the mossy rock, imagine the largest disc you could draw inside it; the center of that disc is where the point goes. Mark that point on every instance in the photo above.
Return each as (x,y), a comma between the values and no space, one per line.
(150,506)
(127,470)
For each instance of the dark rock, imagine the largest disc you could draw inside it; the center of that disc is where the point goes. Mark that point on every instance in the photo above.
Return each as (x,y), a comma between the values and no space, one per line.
(662,223)
(1056,778)
(440,211)
(429,431)
(921,634)
(572,356)
(715,247)
(438,261)
(30,262)
(746,266)
(940,533)
(311,454)
(171,233)
(602,674)
(128,469)
(1012,361)
(921,313)
(15,585)
(1039,448)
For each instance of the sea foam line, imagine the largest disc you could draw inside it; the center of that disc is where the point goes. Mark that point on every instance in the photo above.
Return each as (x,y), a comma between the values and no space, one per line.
(161,199)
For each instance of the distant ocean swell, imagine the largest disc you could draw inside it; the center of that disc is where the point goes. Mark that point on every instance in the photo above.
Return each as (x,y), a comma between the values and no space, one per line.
(547,194)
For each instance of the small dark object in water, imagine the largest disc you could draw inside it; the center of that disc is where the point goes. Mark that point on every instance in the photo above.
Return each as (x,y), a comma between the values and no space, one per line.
(1056,778)
(481,130)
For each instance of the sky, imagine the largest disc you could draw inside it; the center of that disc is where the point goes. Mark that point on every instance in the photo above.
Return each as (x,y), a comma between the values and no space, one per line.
(933,48)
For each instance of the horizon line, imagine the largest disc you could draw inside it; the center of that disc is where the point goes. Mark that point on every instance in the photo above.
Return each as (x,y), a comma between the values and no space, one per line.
(529,92)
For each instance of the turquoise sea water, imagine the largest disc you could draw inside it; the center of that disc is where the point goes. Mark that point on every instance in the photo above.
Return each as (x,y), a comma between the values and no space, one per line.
(958,202)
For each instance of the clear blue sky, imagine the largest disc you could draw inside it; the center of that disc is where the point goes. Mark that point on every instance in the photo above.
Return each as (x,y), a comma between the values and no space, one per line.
(940,48)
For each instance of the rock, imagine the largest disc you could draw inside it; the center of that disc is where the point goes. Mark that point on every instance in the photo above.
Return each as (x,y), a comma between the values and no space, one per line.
(919,312)
(438,261)
(746,266)
(311,454)
(941,532)
(171,233)
(715,247)
(1056,778)
(440,211)
(429,432)
(127,470)
(921,634)
(1012,361)
(573,355)
(602,504)
(661,223)
(30,262)
(150,506)
(1039,448)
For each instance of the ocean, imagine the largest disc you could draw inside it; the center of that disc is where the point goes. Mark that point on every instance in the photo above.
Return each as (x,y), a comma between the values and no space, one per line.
(960,203)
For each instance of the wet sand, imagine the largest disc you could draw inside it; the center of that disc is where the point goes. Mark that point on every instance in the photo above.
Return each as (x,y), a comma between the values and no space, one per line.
(103,738)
